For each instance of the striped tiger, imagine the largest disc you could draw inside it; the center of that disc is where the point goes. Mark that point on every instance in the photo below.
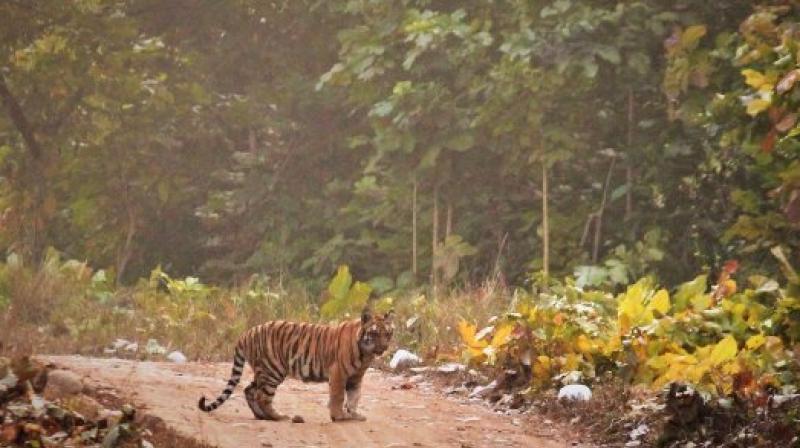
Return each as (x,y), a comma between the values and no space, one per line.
(338,354)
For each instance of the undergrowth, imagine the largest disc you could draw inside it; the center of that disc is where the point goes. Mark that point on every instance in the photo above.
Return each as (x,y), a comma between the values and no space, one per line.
(67,307)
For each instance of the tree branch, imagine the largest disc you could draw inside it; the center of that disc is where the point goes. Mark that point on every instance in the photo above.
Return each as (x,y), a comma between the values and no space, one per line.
(19,119)
(598,229)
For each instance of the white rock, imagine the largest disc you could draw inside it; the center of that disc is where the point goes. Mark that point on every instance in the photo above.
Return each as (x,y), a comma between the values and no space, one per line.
(451,367)
(403,359)
(778,400)
(177,357)
(109,351)
(639,431)
(120,344)
(482,391)
(132,347)
(577,392)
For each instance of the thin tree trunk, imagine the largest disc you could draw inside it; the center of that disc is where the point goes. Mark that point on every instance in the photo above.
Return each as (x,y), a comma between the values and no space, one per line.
(127,250)
(414,231)
(628,161)
(545,220)
(20,121)
(251,141)
(449,223)
(598,228)
(435,238)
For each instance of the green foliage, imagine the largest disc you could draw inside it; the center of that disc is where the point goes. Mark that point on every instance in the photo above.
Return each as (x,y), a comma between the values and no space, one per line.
(724,342)
(293,139)
(346,297)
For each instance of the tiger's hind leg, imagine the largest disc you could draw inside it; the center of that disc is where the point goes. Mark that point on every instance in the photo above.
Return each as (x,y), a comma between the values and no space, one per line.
(250,393)
(260,394)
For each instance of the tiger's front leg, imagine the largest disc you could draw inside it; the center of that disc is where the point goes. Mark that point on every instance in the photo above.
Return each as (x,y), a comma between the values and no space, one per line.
(336,385)
(353,391)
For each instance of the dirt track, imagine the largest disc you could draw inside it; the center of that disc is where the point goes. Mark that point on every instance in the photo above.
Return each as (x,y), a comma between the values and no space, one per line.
(418,417)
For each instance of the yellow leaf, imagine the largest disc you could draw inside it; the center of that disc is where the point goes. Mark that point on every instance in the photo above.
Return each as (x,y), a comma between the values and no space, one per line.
(660,302)
(583,344)
(692,35)
(467,332)
(725,350)
(756,106)
(502,335)
(541,368)
(755,342)
(754,78)
(572,362)
(728,287)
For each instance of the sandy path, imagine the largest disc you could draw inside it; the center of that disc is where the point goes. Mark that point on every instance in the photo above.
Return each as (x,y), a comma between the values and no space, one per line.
(418,417)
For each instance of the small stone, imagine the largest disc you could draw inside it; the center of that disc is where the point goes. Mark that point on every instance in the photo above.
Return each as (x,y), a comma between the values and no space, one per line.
(298,419)
(451,367)
(177,357)
(61,383)
(403,359)
(577,392)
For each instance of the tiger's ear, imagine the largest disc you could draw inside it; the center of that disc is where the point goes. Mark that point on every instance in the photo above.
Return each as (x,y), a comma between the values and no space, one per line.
(366,315)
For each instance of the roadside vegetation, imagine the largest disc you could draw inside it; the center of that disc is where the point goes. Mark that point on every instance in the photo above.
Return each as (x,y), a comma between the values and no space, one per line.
(604,193)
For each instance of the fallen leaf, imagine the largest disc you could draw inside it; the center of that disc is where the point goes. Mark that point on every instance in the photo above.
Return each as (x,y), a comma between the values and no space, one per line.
(787,82)
(786,123)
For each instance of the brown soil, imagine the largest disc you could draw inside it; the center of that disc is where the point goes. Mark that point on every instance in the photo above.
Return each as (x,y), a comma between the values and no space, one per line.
(397,417)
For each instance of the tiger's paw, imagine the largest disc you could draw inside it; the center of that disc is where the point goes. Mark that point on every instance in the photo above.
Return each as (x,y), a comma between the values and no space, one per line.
(348,416)
(356,416)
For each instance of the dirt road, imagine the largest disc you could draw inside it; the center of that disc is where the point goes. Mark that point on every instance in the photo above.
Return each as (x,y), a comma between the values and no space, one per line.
(418,417)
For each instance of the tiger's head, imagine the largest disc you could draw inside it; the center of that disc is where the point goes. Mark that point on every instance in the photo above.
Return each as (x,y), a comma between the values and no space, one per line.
(376,332)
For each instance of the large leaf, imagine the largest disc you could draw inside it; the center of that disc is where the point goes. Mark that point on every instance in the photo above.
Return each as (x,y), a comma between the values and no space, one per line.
(340,284)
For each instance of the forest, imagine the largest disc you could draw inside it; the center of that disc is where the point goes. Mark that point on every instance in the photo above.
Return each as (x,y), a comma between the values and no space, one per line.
(600,189)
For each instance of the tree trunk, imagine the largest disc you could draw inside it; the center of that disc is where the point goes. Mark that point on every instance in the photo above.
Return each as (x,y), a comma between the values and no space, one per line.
(448,228)
(435,239)
(20,121)
(414,231)
(126,252)
(545,220)
(598,226)
(628,161)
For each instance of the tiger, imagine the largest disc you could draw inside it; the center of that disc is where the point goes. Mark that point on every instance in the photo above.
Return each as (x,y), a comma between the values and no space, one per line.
(338,354)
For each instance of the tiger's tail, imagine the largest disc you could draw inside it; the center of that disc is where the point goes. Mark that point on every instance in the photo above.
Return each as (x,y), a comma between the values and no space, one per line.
(236,375)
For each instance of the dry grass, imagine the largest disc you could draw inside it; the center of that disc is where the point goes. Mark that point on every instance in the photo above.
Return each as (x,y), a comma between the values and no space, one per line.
(68,308)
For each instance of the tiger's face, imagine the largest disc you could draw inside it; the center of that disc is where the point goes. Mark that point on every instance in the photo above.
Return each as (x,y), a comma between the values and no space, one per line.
(376,332)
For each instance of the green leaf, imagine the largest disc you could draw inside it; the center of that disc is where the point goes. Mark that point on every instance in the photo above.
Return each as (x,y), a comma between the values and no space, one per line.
(619,192)
(460,142)
(590,276)
(340,284)
(381,284)
(382,109)
(689,290)
(609,54)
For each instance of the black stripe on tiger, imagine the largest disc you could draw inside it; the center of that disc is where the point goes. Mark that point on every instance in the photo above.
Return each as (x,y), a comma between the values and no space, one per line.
(236,376)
